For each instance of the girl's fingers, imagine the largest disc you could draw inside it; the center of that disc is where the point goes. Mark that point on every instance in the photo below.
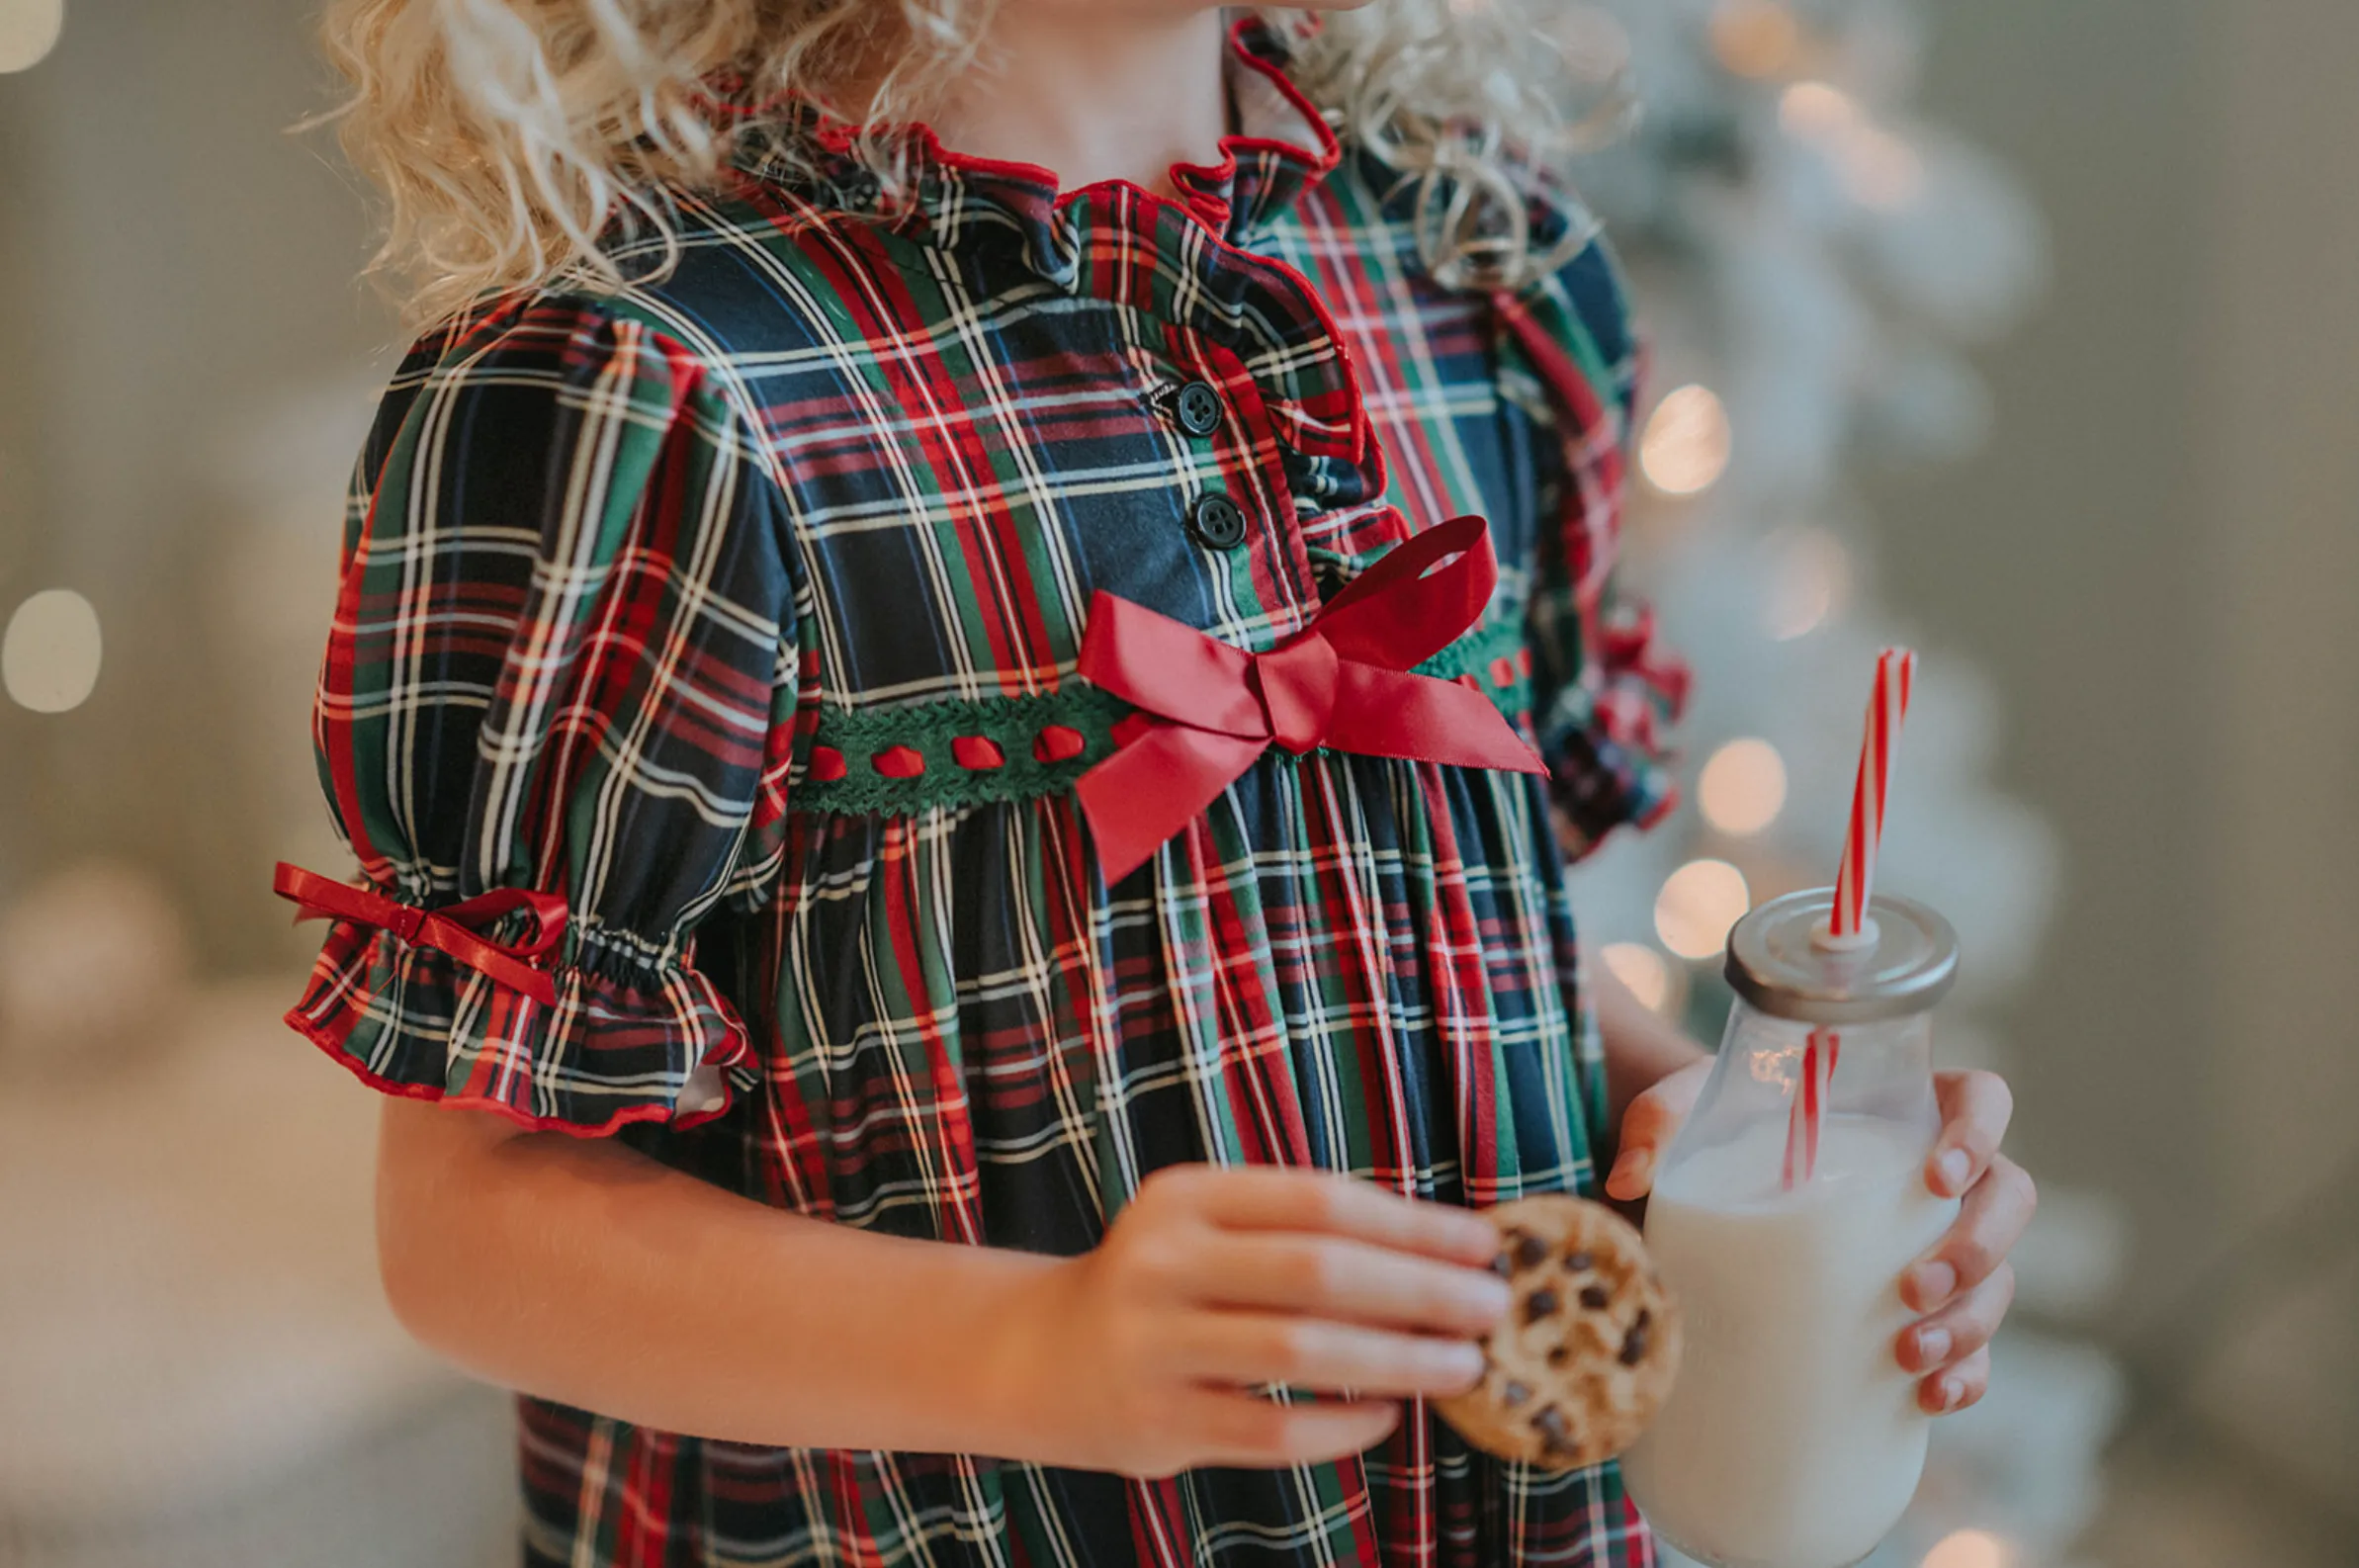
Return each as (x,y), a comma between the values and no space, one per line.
(1251,1347)
(1962,1329)
(1974,1111)
(1349,1282)
(1989,1222)
(1647,1126)
(1282,1198)
(1954,1388)
(1241,1430)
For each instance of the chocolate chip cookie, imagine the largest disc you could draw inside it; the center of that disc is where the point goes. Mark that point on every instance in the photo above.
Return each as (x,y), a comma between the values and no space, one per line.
(1589,1350)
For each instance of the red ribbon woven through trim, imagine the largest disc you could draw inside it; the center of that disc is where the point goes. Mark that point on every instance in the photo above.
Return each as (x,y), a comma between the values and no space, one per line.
(1344,682)
(453,930)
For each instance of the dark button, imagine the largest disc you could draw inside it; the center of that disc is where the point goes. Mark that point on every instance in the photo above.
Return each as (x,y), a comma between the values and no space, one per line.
(1199,409)
(1217,522)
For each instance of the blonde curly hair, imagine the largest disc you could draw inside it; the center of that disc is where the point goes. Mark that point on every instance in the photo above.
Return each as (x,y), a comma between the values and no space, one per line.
(515,141)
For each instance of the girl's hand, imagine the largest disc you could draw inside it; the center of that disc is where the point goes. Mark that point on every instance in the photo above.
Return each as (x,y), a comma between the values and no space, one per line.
(1137,1356)
(1965,1285)
(1647,1126)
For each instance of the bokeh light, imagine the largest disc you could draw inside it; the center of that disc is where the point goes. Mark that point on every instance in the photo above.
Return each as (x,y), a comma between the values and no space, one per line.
(50,655)
(1880,170)
(1970,1549)
(1642,971)
(1816,111)
(1596,50)
(29,29)
(1743,787)
(1810,576)
(1697,905)
(1755,38)
(1686,445)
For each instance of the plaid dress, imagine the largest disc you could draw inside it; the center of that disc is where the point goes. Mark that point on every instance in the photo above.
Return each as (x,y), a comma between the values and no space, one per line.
(741,611)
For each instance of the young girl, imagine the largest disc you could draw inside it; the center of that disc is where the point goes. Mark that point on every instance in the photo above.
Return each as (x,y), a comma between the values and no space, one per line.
(954,923)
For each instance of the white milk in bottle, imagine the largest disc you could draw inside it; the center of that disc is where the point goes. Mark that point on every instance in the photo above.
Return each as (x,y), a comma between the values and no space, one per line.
(1792,1437)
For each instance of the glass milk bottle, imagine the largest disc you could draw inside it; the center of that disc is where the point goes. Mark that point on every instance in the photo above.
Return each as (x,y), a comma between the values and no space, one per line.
(1792,1437)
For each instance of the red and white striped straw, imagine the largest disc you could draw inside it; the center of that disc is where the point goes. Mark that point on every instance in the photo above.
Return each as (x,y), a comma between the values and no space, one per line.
(1887,707)
(1808,1115)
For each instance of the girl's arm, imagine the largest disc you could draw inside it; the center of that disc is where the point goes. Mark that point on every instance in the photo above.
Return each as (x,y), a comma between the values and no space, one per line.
(582,1271)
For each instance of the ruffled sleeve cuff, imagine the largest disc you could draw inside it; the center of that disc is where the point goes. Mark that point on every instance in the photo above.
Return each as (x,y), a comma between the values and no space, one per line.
(631,1034)
(1605,735)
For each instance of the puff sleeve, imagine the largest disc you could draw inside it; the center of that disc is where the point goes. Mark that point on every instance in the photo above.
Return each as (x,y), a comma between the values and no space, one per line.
(562,657)
(1606,691)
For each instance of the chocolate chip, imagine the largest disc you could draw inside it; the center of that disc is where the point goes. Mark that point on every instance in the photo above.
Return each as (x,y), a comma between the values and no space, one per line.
(1530,1252)
(1515,1393)
(1597,1298)
(1558,1355)
(1551,1425)
(1539,1304)
(1633,1343)
(1579,1262)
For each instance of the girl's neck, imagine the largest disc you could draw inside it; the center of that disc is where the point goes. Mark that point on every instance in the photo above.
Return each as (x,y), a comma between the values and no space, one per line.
(1094,90)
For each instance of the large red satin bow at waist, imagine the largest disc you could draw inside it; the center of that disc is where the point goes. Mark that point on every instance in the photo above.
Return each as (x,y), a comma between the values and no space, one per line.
(453,930)
(1207,710)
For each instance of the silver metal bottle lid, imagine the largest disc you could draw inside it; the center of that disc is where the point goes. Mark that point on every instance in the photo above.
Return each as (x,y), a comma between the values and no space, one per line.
(1780,961)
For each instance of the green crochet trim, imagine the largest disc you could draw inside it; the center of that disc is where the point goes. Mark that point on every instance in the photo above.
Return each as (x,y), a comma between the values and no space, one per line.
(1478,653)
(1014,724)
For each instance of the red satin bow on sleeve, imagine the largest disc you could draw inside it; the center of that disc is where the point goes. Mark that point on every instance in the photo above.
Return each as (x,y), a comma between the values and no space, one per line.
(1207,710)
(453,930)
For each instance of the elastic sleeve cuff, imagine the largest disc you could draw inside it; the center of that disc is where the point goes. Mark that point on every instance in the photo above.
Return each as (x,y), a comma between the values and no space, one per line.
(627,1040)
(1604,738)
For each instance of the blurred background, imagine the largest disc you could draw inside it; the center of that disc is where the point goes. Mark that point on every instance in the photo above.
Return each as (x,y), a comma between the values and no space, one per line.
(2026,333)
